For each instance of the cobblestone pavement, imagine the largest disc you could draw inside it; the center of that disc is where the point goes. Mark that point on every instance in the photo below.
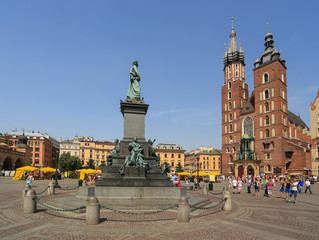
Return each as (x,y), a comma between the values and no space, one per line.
(251,218)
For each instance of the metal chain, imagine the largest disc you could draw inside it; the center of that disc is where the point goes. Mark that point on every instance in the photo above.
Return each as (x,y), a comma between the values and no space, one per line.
(144,213)
(203,208)
(216,193)
(67,188)
(57,209)
(43,190)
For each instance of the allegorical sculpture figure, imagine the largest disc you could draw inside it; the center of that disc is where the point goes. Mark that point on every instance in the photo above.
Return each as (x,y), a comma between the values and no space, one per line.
(136,158)
(152,152)
(134,91)
(115,152)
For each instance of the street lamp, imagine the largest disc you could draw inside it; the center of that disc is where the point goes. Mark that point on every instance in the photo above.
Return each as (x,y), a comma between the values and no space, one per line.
(56,170)
(197,163)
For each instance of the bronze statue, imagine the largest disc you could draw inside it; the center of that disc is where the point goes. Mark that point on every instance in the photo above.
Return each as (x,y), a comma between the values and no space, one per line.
(115,152)
(134,91)
(136,158)
(152,152)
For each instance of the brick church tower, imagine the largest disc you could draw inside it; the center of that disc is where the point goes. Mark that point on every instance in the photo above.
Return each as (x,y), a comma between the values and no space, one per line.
(271,107)
(259,134)
(234,96)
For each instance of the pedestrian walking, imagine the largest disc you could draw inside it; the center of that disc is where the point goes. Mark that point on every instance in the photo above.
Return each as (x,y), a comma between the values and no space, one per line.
(234,182)
(282,188)
(257,187)
(249,184)
(294,190)
(300,185)
(308,186)
(287,189)
(269,186)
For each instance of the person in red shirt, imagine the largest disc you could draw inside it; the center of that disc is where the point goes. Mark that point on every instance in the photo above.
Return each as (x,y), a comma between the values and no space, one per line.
(269,185)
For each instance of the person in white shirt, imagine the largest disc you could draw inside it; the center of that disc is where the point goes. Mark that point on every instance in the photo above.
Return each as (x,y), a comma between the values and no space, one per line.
(294,190)
(308,186)
(234,185)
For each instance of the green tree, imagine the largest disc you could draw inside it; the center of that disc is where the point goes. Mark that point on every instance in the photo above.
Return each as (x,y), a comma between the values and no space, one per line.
(179,168)
(69,163)
(167,167)
(91,164)
(103,164)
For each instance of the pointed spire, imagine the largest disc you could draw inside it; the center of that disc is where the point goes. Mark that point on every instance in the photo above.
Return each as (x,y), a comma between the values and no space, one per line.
(225,50)
(233,44)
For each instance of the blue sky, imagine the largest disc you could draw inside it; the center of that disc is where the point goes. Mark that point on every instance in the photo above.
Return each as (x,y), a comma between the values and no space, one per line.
(64,65)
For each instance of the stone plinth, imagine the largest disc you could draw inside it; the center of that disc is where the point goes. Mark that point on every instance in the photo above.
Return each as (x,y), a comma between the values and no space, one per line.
(134,119)
(135,197)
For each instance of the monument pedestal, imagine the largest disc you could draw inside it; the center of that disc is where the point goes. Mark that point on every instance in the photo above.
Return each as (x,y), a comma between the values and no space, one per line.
(137,188)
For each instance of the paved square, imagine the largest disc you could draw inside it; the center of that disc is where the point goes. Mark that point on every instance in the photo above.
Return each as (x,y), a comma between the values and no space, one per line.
(251,218)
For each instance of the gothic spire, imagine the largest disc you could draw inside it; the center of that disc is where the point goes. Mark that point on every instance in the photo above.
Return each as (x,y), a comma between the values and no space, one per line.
(233,54)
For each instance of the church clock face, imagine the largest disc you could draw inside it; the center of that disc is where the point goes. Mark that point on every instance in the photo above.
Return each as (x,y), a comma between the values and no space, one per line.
(248,126)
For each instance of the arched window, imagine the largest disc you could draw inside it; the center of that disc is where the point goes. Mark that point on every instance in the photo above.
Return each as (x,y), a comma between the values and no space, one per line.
(231,158)
(266,78)
(267,121)
(230,139)
(268,168)
(229,85)
(266,94)
(229,95)
(267,107)
(267,133)
(230,128)
(248,126)
(230,117)
(234,150)
(229,106)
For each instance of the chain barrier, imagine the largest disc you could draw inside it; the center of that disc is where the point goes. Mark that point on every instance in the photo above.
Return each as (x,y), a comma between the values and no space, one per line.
(144,213)
(57,209)
(206,208)
(215,193)
(43,190)
(67,188)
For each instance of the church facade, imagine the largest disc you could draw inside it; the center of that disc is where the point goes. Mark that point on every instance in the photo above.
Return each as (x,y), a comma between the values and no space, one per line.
(259,133)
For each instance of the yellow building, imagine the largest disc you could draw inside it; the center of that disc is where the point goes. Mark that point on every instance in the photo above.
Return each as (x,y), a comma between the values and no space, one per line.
(102,150)
(171,154)
(314,119)
(204,159)
(87,149)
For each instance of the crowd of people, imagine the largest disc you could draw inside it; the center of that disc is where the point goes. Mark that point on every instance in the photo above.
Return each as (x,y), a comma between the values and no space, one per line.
(289,186)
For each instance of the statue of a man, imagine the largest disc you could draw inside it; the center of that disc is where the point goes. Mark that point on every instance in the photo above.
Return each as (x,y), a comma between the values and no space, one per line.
(134,91)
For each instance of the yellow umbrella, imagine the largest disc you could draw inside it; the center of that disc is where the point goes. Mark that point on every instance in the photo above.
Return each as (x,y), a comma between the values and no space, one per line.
(200,174)
(48,169)
(20,171)
(184,173)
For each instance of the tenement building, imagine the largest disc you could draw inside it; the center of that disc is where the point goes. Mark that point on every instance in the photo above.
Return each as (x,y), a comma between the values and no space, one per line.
(170,154)
(259,133)
(314,121)
(44,148)
(204,159)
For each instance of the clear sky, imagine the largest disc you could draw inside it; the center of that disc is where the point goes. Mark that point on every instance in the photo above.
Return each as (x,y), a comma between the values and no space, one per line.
(64,65)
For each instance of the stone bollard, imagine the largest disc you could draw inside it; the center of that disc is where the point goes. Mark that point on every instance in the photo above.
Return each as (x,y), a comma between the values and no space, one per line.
(227,204)
(93,211)
(24,191)
(183,210)
(205,190)
(30,205)
(51,189)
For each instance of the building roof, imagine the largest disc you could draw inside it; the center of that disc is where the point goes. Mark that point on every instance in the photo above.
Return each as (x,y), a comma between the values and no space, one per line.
(293,118)
(249,106)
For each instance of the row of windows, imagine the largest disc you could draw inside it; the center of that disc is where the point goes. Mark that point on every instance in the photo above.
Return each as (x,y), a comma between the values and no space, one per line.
(172,155)
(231,129)
(267,133)
(266,94)
(266,77)
(236,70)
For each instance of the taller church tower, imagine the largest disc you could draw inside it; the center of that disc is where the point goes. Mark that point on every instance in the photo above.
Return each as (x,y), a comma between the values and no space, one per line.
(234,96)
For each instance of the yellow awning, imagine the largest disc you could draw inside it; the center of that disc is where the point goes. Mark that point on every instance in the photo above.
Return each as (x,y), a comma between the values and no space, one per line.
(184,173)
(20,171)
(48,169)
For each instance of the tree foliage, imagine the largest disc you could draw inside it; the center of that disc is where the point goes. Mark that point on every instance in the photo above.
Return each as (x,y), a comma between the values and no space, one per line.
(69,163)
(179,168)
(91,164)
